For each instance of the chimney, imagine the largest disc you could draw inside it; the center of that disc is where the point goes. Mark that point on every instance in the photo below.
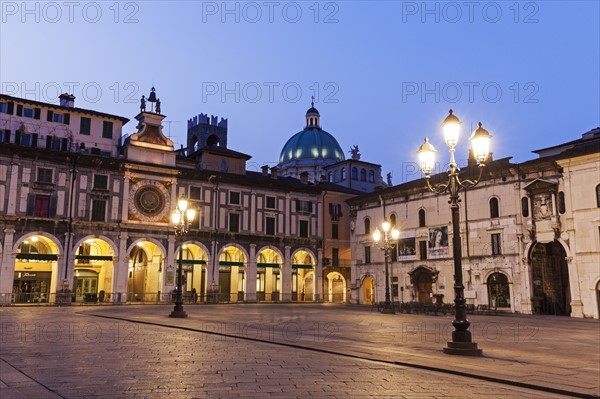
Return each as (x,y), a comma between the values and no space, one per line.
(265,170)
(304,177)
(67,100)
(274,172)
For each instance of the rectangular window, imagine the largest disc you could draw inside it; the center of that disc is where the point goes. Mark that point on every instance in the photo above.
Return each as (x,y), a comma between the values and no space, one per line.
(98,210)
(270,226)
(335,210)
(100,182)
(85,126)
(42,206)
(335,257)
(234,223)
(394,286)
(234,198)
(270,203)
(195,193)
(304,228)
(3,108)
(303,206)
(44,175)
(422,249)
(107,130)
(367,254)
(394,254)
(58,118)
(334,231)
(496,245)
(28,112)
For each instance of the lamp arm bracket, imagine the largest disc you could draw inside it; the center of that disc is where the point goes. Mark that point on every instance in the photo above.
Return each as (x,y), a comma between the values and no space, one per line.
(438,188)
(470,183)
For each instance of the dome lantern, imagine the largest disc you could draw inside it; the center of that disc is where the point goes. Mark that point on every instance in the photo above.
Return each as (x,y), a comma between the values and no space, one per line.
(312,116)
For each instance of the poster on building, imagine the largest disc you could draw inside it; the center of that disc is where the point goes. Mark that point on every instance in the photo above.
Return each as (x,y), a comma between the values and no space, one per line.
(407,247)
(438,243)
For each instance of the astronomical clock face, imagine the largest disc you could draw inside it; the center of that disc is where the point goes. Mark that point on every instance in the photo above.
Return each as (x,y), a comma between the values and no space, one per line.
(149,201)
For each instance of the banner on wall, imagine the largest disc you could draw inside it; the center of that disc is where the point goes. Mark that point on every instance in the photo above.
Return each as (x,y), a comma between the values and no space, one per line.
(407,246)
(438,243)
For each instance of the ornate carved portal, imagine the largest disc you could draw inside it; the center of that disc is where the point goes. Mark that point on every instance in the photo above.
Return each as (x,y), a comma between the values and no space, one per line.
(422,279)
(550,278)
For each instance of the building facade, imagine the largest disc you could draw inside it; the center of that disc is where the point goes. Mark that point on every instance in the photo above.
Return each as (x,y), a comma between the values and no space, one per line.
(530,236)
(91,215)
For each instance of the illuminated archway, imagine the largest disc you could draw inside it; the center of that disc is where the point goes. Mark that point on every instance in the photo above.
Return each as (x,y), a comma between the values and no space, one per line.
(195,259)
(94,270)
(268,275)
(36,269)
(232,274)
(367,291)
(336,287)
(303,278)
(144,277)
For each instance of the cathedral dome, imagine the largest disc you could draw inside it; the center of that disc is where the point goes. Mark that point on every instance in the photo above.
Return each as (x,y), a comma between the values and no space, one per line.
(312,143)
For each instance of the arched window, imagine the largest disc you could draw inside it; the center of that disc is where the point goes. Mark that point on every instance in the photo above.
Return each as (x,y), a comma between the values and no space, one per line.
(363,175)
(224,165)
(525,206)
(343,174)
(494,208)
(393,220)
(498,291)
(367,226)
(562,208)
(335,176)
(421,217)
(329,177)
(598,196)
(354,173)
(371,176)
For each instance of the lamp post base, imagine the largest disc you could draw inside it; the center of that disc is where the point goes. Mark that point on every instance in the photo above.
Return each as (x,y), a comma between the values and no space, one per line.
(388,309)
(463,349)
(179,314)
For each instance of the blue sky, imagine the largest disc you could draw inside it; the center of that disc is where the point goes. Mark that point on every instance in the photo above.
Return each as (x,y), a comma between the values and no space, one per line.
(385,73)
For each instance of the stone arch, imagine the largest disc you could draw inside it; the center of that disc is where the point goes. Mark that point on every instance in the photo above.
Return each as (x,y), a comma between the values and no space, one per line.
(146,270)
(336,287)
(367,290)
(93,279)
(232,273)
(303,277)
(550,278)
(269,264)
(35,268)
(498,289)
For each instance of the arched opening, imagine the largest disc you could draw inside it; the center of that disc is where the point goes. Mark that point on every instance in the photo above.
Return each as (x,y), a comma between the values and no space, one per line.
(303,279)
(144,279)
(268,275)
(354,173)
(550,278)
(94,271)
(422,279)
(422,221)
(363,175)
(371,176)
(343,174)
(494,208)
(36,270)
(367,291)
(598,297)
(213,139)
(194,261)
(336,284)
(232,276)
(367,226)
(498,291)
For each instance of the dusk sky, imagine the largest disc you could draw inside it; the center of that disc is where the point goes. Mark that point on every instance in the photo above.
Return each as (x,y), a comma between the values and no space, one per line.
(384,73)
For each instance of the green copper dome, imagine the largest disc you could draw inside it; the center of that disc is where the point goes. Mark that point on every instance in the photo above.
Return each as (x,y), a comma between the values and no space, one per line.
(312,143)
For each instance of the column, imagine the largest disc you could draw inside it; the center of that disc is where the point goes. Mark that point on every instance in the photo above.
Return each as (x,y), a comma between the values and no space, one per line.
(319,276)
(7,270)
(122,271)
(286,275)
(171,265)
(251,275)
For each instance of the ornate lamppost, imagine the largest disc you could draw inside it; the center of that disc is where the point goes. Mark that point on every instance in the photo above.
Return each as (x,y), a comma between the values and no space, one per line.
(182,218)
(386,246)
(462,343)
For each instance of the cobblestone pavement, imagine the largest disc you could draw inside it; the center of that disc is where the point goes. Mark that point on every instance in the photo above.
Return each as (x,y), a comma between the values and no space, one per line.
(50,352)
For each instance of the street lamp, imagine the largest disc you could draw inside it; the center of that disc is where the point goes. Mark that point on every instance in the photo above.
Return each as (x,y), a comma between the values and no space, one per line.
(182,218)
(462,343)
(386,247)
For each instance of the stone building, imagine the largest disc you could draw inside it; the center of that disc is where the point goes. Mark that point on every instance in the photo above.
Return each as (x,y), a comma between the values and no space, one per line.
(530,236)
(85,208)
